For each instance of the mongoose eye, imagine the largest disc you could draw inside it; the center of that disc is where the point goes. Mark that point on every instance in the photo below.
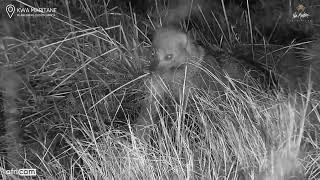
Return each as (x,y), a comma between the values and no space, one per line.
(168,57)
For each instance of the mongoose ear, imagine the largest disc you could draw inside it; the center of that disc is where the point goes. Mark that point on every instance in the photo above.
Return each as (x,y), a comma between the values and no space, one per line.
(187,43)
(183,39)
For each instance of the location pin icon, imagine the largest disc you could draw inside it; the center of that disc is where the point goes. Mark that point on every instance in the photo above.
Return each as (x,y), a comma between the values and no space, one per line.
(10,10)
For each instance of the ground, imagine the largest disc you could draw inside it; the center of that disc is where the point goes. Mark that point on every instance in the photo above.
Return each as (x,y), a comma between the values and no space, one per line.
(83,71)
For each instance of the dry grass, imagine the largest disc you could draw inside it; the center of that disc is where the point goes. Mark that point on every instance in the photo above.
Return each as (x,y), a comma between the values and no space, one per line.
(83,85)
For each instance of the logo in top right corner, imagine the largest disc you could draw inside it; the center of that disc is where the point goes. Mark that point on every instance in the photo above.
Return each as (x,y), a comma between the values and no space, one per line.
(300,14)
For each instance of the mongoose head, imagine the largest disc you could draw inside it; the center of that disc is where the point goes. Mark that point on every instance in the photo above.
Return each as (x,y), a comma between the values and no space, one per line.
(172,49)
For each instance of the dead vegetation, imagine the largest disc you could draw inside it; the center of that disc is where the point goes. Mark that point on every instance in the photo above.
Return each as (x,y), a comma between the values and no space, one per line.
(83,74)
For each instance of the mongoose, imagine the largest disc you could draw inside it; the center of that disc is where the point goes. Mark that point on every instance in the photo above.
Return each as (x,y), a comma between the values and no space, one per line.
(181,65)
